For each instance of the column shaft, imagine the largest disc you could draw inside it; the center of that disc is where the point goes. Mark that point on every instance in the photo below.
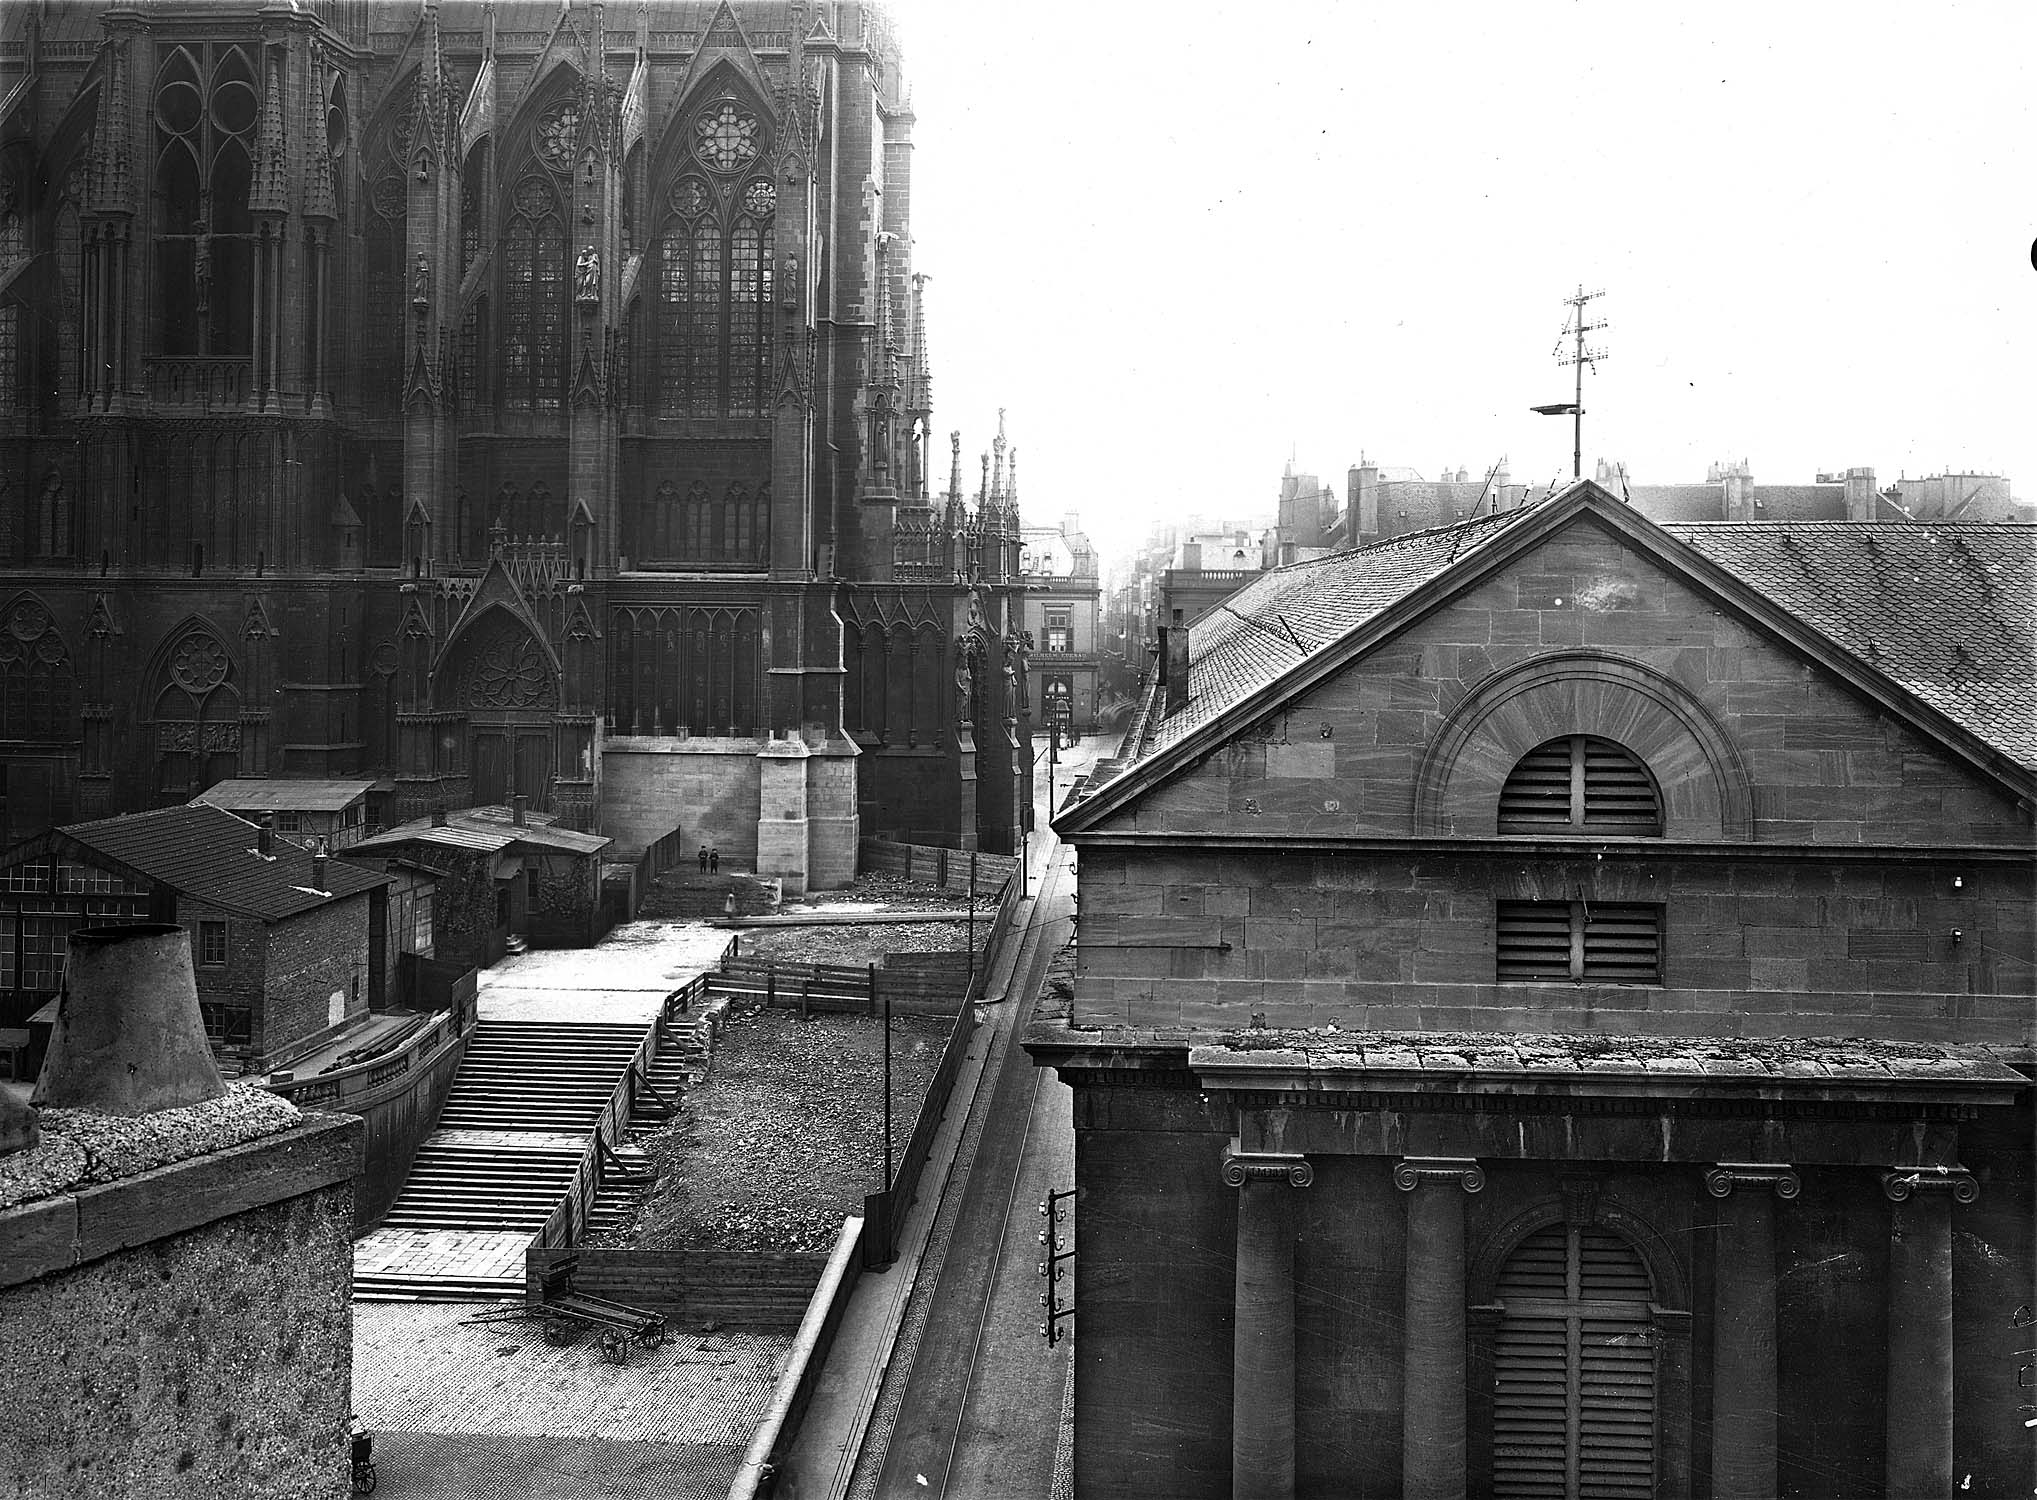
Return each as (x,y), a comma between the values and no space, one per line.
(1432,1424)
(1920,1345)
(1262,1402)
(1743,1322)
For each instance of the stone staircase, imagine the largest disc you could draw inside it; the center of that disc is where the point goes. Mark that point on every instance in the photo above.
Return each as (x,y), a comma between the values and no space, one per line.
(509,1139)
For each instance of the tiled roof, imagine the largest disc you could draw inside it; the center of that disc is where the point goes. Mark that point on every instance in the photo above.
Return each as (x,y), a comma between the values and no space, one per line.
(1947,611)
(210,854)
(284,794)
(1287,614)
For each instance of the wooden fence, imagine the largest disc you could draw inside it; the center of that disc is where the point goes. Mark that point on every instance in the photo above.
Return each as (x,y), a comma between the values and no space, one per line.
(883,1211)
(689,1005)
(735,1288)
(861,989)
(946,868)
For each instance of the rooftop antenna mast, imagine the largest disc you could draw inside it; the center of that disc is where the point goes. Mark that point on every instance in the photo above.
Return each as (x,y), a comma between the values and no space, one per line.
(1576,326)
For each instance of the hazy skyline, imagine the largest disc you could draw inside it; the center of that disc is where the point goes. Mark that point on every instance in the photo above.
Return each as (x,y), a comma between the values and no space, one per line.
(1180,243)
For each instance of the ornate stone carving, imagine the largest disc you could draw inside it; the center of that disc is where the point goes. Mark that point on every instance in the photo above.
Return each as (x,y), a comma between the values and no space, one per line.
(1727,1175)
(1904,1181)
(558,133)
(1411,1171)
(199,665)
(1241,1166)
(510,673)
(727,137)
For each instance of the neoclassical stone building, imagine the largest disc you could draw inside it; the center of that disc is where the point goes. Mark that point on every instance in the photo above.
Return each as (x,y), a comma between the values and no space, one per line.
(1553,1017)
(498,398)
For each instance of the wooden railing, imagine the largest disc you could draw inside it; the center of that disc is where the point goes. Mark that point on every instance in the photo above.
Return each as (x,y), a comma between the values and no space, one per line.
(946,868)
(567,1224)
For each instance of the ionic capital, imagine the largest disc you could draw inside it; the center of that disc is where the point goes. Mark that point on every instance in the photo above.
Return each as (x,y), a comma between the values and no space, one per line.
(1411,1171)
(1241,1167)
(1779,1175)
(1903,1181)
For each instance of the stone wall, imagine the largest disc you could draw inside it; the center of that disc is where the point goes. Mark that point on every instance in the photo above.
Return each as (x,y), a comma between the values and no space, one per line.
(315,976)
(186,1330)
(1752,945)
(705,787)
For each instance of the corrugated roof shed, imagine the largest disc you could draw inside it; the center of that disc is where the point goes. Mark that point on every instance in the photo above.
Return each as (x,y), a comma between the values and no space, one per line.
(210,854)
(284,794)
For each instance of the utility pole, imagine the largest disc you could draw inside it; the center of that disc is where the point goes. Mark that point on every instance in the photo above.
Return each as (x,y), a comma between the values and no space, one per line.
(1580,355)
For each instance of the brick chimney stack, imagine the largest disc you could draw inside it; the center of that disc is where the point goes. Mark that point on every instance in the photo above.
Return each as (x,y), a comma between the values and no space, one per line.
(318,862)
(1174,663)
(265,838)
(517,804)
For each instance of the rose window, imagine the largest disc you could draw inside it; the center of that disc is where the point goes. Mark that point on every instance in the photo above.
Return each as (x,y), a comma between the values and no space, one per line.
(760,198)
(512,674)
(558,133)
(199,665)
(728,138)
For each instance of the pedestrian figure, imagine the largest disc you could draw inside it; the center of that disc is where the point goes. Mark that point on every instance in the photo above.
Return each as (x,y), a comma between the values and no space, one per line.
(714,861)
(729,905)
(703,859)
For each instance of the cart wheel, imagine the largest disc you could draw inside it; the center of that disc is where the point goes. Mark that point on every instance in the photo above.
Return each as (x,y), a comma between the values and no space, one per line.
(615,1348)
(654,1336)
(558,1332)
(365,1479)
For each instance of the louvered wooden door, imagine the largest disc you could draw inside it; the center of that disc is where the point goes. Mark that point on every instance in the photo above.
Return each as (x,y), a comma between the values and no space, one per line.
(1574,1371)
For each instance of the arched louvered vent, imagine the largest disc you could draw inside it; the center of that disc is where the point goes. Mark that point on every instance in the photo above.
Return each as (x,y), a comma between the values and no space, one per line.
(1580,784)
(1574,1370)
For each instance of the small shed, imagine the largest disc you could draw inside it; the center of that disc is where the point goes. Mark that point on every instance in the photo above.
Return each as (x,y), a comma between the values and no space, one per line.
(302,809)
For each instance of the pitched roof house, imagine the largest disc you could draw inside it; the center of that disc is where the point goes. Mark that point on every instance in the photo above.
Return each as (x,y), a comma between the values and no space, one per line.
(1553,1016)
(282,940)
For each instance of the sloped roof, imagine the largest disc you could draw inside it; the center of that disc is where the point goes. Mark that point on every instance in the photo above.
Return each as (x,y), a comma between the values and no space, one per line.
(210,854)
(1934,619)
(1289,613)
(486,830)
(1949,611)
(284,794)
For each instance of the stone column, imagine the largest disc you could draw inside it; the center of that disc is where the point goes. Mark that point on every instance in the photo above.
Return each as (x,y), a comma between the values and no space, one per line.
(1743,1326)
(1262,1399)
(1920,1325)
(1432,1403)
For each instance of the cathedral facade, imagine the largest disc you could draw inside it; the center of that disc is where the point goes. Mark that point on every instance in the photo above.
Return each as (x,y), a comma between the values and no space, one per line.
(500,399)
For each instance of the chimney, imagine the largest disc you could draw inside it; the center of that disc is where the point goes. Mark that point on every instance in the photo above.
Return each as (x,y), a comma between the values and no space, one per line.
(1364,486)
(1860,495)
(128,1038)
(438,816)
(1174,663)
(265,838)
(318,861)
(516,806)
(1739,486)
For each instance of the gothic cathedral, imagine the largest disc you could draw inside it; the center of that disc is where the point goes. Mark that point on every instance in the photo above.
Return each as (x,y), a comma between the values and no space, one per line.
(494,399)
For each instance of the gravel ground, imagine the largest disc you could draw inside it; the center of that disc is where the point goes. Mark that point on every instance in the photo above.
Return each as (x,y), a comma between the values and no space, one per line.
(894,891)
(859,944)
(784,1138)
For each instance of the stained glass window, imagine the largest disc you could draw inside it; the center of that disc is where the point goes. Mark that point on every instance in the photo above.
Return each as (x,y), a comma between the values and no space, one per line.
(534,303)
(713,326)
(727,137)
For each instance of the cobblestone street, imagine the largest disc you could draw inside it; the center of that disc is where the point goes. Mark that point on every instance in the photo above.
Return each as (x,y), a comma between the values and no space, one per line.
(462,1408)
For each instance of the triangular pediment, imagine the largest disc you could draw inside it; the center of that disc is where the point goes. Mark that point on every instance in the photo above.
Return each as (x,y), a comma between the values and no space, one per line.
(1293,631)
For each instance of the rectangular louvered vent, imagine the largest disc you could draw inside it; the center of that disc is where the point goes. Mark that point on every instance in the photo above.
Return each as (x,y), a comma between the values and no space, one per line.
(1580,940)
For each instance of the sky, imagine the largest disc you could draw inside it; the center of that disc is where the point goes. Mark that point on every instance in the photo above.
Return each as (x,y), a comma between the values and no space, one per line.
(1184,244)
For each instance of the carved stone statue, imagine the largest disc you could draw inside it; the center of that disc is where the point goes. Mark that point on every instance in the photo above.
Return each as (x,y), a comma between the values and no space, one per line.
(587,278)
(420,292)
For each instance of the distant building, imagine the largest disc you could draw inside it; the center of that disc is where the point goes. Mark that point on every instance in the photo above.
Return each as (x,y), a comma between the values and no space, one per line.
(1384,501)
(1063,613)
(287,946)
(1729,493)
